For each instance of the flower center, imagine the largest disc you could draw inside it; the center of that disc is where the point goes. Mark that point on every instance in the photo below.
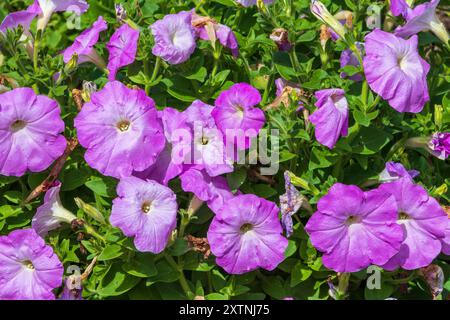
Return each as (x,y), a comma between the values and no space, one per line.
(146,207)
(403,216)
(18,125)
(204,141)
(246,227)
(123,125)
(352,220)
(401,62)
(28,264)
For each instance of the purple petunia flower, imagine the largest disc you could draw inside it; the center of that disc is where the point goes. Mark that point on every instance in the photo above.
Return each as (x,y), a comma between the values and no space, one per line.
(208,148)
(331,117)
(423,221)
(145,210)
(446,240)
(30,132)
(235,113)
(246,235)
(21,18)
(120,130)
(204,26)
(170,162)
(51,214)
(422,18)
(439,145)
(395,70)
(355,229)
(348,58)
(214,190)
(395,171)
(48,7)
(122,49)
(83,45)
(174,37)
(249,3)
(30,268)
(290,203)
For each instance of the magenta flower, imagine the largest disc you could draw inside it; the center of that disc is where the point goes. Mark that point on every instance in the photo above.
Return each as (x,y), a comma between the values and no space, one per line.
(214,190)
(48,7)
(348,58)
(355,229)
(83,45)
(145,210)
(423,221)
(439,145)
(208,148)
(246,235)
(174,37)
(331,117)
(236,114)
(249,3)
(30,268)
(21,18)
(395,70)
(122,49)
(208,29)
(170,162)
(395,171)
(422,18)
(120,130)
(446,240)
(30,132)
(51,214)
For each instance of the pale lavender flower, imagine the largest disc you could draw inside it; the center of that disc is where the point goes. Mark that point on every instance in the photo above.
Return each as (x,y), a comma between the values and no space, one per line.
(21,18)
(48,7)
(249,3)
(395,171)
(122,49)
(348,58)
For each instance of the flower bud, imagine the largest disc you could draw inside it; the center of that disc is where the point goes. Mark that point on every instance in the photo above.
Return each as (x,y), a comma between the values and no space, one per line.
(91,211)
(281,38)
(71,66)
(438,113)
(89,87)
(121,13)
(321,12)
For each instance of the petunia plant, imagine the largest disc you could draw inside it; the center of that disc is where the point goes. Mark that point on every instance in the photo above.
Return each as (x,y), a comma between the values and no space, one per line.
(223,150)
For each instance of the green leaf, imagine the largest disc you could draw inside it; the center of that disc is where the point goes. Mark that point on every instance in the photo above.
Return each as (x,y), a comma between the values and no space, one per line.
(370,140)
(236,178)
(321,158)
(116,282)
(307,36)
(384,292)
(104,186)
(141,265)
(110,252)
(166,273)
(299,274)
(291,249)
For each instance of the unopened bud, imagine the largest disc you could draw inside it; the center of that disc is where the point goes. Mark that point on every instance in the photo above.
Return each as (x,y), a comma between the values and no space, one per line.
(71,66)
(89,87)
(438,113)
(321,12)
(281,38)
(121,13)
(91,211)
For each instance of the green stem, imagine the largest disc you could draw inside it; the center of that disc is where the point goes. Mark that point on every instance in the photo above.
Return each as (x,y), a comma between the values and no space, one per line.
(412,276)
(183,282)
(37,41)
(365,94)
(154,74)
(268,88)
(374,103)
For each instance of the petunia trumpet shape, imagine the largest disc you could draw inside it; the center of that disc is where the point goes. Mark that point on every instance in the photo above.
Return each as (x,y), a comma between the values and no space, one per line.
(395,70)
(331,117)
(122,49)
(52,213)
(30,268)
(48,7)
(355,229)
(246,235)
(395,171)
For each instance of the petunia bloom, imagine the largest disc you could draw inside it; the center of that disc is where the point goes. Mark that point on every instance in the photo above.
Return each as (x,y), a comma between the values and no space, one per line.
(395,171)
(422,18)
(208,29)
(208,150)
(246,234)
(423,221)
(348,58)
(51,214)
(83,45)
(439,145)
(120,130)
(48,7)
(30,268)
(122,49)
(249,3)
(214,190)
(174,37)
(30,132)
(355,229)
(170,162)
(290,203)
(321,12)
(21,18)
(395,70)
(145,210)
(236,113)
(331,117)
(446,240)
